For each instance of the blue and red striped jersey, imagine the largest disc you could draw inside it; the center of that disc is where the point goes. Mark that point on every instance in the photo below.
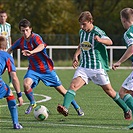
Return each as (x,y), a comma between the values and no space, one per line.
(39,62)
(6,61)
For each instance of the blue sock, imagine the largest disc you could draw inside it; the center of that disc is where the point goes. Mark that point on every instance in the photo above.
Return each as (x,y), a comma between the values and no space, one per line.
(75,105)
(29,95)
(13,109)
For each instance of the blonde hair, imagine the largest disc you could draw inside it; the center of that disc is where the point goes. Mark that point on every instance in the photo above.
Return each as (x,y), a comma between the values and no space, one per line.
(127,13)
(3,42)
(85,16)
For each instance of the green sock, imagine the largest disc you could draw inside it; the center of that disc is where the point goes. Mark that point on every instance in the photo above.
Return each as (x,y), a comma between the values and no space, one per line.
(128,99)
(68,98)
(121,103)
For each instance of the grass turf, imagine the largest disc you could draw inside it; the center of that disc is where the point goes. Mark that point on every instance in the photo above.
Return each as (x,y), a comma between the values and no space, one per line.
(102,115)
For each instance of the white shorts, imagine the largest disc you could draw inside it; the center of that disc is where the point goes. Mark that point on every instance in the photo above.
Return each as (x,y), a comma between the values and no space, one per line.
(98,76)
(128,83)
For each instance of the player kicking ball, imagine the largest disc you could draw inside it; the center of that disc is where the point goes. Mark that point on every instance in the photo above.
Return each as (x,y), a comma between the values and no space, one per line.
(93,64)
(41,67)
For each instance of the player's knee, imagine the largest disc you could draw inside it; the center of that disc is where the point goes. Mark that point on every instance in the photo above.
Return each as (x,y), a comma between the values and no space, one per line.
(121,93)
(73,87)
(26,86)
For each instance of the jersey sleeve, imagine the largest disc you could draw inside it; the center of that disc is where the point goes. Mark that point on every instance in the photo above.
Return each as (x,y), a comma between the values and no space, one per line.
(128,37)
(16,45)
(101,33)
(10,64)
(9,33)
(38,40)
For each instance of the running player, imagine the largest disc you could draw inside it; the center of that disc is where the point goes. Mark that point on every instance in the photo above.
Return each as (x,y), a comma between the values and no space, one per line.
(40,65)
(93,64)
(126,90)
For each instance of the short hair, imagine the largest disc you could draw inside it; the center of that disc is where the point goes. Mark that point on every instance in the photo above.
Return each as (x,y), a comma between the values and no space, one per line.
(127,13)
(85,16)
(24,23)
(3,42)
(2,11)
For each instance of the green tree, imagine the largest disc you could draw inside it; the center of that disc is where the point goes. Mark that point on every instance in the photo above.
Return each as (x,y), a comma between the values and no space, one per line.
(46,16)
(106,15)
(61,16)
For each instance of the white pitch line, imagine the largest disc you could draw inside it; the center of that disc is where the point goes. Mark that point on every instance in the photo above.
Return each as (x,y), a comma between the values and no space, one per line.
(47,98)
(71,125)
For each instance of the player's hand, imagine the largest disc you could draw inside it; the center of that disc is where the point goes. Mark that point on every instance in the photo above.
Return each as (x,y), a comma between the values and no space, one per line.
(20,100)
(9,51)
(115,65)
(75,62)
(97,38)
(26,52)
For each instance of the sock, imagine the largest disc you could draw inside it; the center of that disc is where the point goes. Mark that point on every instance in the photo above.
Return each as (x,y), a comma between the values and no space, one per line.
(121,103)
(13,108)
(75,105)
(128,99)
(68,98)
(29,95)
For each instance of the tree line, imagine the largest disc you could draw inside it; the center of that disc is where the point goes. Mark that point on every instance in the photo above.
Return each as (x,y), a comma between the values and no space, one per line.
(61,16)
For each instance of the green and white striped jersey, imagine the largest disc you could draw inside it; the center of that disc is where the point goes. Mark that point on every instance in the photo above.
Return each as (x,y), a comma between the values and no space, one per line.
(128,36)
(5,30)
(93,54)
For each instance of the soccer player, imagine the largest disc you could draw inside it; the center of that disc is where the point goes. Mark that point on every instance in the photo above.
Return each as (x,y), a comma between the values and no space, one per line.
(40,65)
(5,30)
(93,64)
(126,89)
(6,61)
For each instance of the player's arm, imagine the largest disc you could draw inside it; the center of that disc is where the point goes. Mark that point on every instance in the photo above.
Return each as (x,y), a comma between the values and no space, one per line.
(126,55)
(15,81)
(10,41)
(39,48)
(16,85)
(10,50)
(15,45)
(75,57)
(103,40)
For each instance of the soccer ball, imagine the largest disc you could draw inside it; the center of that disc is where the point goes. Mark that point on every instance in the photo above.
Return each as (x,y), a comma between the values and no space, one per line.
(41,113)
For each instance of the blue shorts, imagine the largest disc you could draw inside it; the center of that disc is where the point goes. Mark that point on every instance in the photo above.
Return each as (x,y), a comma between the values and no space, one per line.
(49,78)
(4,89)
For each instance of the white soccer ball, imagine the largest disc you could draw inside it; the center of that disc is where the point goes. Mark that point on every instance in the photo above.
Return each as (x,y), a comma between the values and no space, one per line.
(41,113)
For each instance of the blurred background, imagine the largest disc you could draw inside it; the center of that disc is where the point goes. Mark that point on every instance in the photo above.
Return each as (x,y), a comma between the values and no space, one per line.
(57,21)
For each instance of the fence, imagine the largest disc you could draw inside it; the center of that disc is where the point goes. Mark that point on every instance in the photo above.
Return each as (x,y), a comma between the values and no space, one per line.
(51,48)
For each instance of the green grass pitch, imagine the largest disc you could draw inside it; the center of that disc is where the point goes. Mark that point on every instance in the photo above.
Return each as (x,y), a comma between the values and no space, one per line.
(102,115)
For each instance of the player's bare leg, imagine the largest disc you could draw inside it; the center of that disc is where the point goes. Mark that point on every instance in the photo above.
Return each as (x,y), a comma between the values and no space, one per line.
(115,96)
